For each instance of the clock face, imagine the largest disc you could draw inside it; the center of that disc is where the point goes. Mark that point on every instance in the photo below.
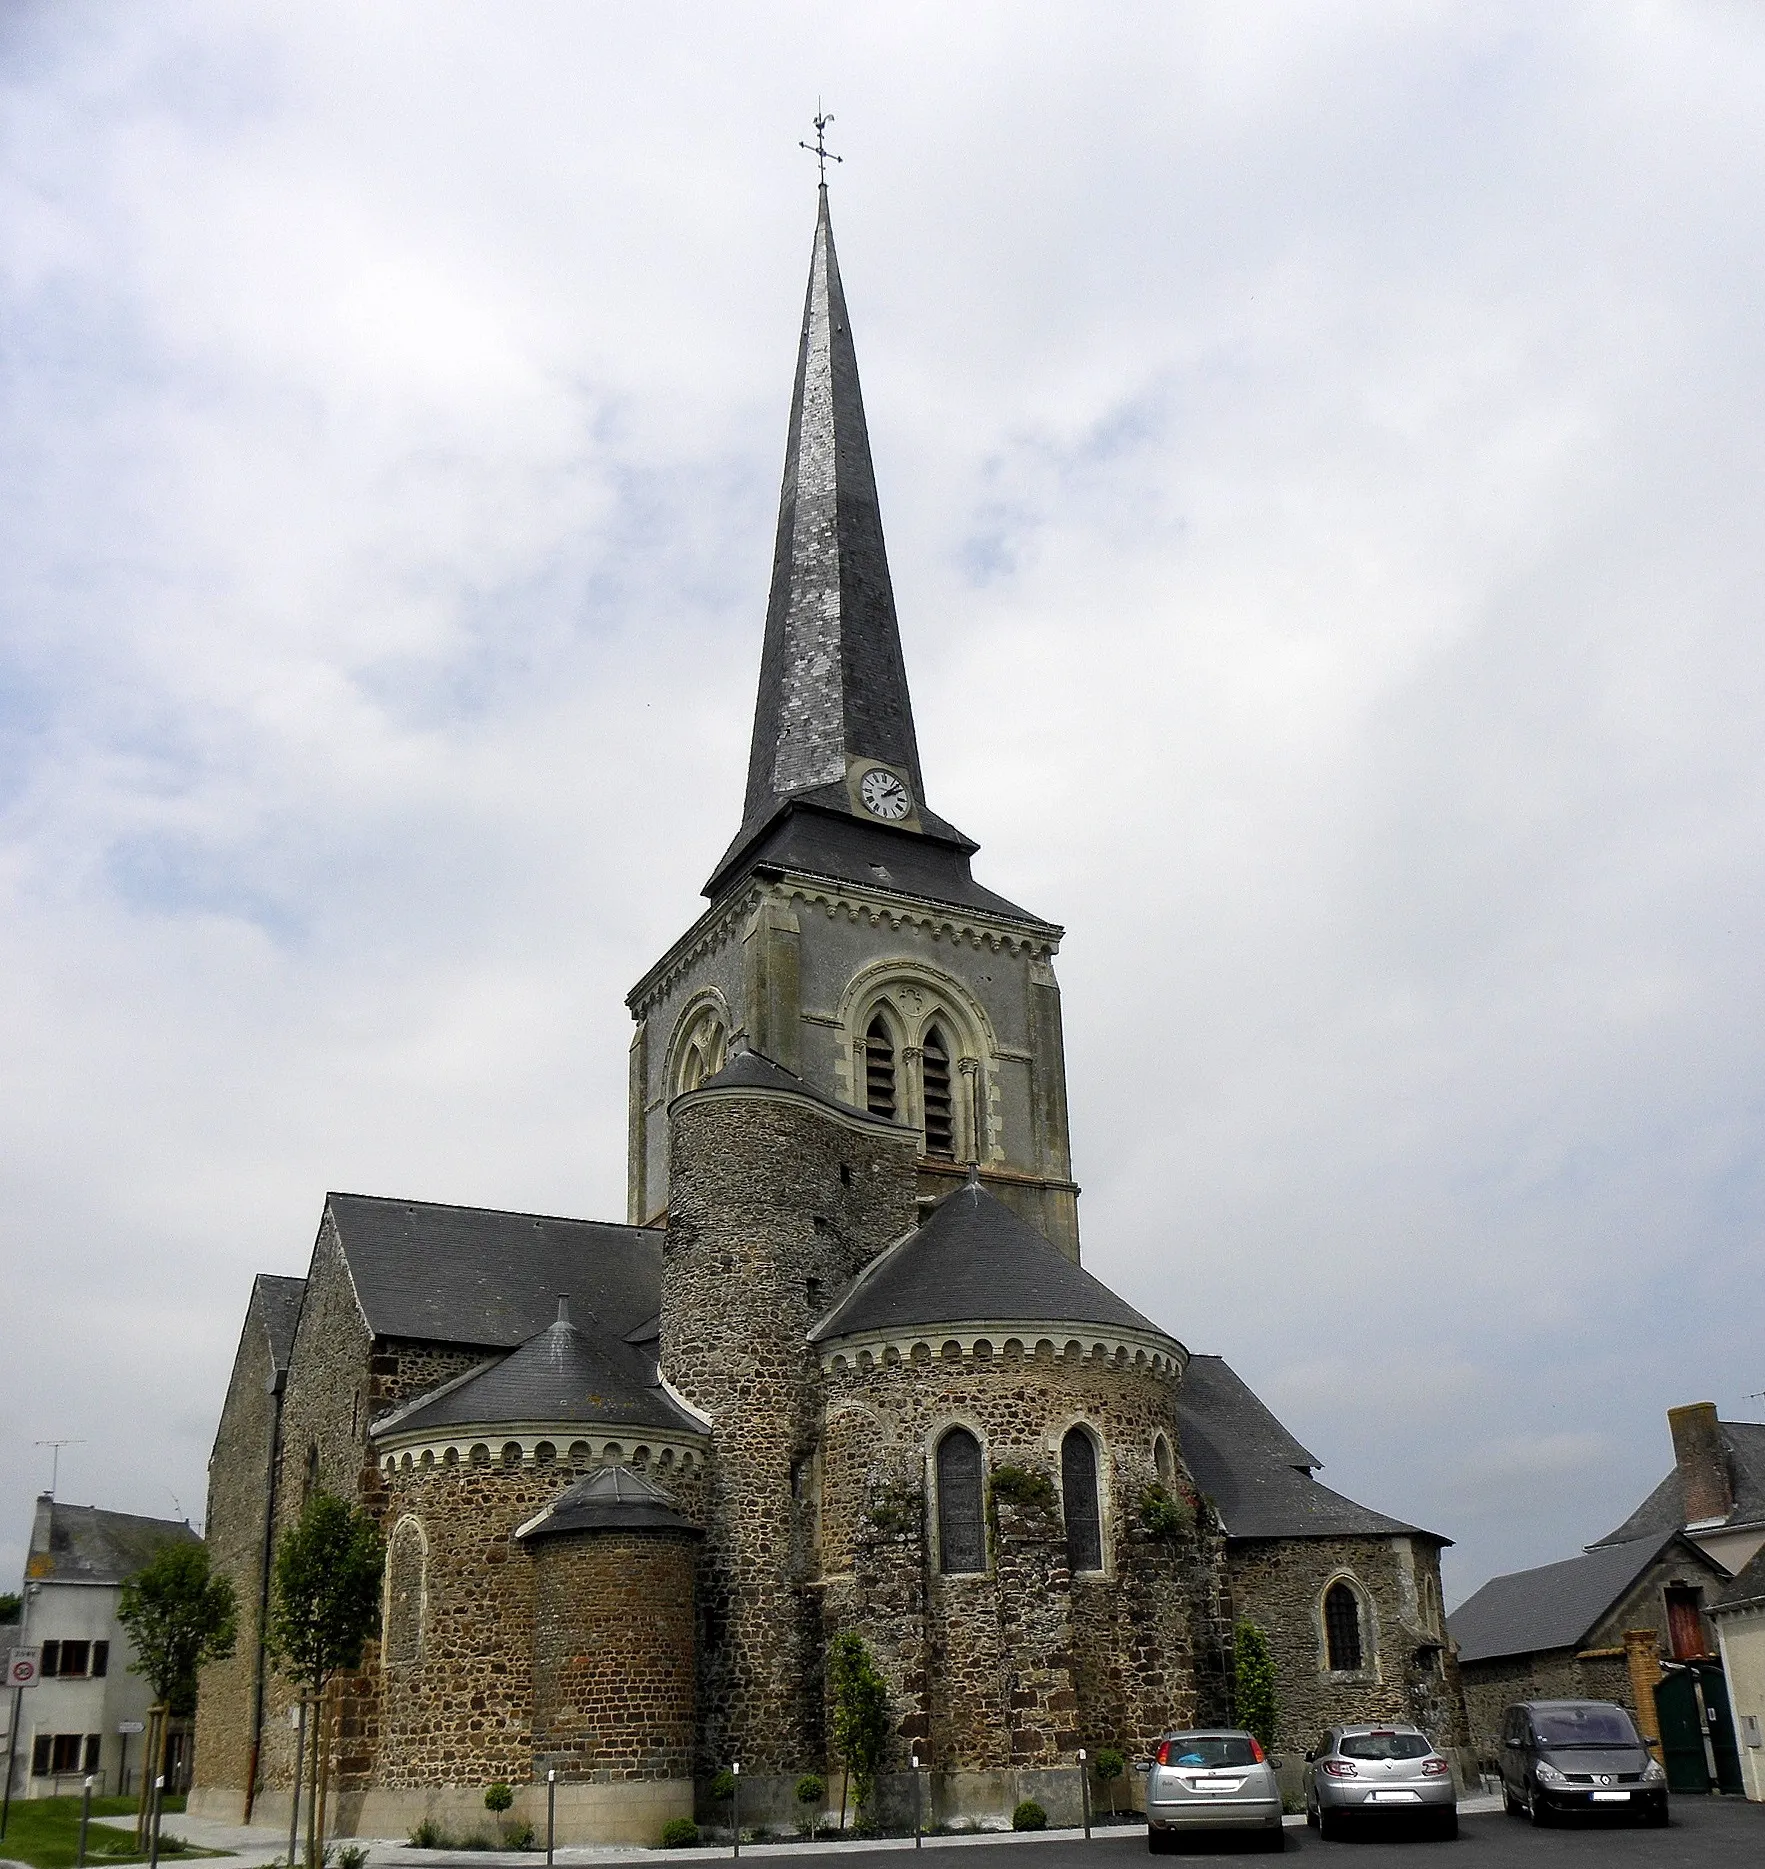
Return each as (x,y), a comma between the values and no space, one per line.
(884,795)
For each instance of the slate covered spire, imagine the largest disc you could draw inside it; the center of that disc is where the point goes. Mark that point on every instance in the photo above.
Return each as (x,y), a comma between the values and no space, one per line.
(833,685)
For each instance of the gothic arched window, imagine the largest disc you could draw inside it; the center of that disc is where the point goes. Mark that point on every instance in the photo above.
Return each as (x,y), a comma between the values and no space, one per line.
(879,1068)
(962,1539)
(703,1054)
(1342,1627)
(1078,1489)
(940,1109)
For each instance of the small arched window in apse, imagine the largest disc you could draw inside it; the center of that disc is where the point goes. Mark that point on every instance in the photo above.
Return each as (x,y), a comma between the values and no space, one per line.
(879,1069)
(1161,1459)
(962,1542)
(1078,1487)
(407,1563)
(1342,1628)
(940,1110)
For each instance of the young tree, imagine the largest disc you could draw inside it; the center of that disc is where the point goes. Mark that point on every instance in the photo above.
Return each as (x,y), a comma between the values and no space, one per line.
(1259,1710)
(179,1615)
(325,1604)
(860,1715)
(1110,1765)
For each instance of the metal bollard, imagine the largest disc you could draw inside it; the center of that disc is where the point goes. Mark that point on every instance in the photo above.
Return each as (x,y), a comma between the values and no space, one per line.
(1085,1791)
(85,1819)
(918,1825)
(735,1807)
(551,1812)
(153,1822)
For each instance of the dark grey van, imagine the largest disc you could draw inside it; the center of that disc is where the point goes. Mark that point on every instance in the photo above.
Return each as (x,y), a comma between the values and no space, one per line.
(1562,1757)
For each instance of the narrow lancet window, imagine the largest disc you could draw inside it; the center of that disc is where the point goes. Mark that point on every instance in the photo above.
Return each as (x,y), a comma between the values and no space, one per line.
(940,1112)
(1342,1628)
(879,1069)
(962,1542)
(1078,1486)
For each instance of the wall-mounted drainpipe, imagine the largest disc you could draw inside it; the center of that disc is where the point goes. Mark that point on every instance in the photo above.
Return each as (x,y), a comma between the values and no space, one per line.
(278,1384)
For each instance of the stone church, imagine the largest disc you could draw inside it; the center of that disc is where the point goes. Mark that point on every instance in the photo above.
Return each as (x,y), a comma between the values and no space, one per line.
(840,1369)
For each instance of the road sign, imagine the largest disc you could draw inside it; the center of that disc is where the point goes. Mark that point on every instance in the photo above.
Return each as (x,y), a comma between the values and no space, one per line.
(131,1726)
(21,1667)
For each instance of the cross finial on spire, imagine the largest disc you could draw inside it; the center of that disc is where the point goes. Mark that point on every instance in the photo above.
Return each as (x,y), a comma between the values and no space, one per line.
(819,149)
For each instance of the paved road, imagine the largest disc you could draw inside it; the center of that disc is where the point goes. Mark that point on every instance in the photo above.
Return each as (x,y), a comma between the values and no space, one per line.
(1705,1834)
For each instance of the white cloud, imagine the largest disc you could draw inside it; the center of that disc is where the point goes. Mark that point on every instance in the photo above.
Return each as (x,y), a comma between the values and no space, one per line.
(1318,451)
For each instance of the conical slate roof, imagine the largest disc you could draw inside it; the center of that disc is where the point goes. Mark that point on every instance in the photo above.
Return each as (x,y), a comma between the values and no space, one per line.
(833,684)
(749,1069)
(615,1499)
(974,1261)
(561,1375)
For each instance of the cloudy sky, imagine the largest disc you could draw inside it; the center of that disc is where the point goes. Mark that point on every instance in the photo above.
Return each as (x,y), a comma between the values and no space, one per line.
(1320,447)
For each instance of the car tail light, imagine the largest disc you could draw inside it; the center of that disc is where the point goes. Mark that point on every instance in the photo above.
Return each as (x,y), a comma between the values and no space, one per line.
(1164,1752)
(1255,1749)
(1435,1768)
(1341,1768)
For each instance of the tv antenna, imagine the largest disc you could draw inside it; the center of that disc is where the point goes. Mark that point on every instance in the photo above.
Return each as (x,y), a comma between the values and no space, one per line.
(55,1460)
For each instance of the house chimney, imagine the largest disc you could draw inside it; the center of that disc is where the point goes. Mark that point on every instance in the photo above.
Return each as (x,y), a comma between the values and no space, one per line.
(1702,1461)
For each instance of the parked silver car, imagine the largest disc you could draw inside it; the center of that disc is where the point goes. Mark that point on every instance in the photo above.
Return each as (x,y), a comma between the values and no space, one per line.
(1379,1773)
(1212,1780)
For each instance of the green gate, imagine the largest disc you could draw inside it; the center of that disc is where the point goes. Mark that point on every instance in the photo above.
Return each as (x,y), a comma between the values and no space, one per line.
(1697,1730)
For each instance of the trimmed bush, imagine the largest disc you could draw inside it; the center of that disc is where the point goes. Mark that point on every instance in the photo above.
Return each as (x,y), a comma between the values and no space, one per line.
(679,1833)
(1029,1815)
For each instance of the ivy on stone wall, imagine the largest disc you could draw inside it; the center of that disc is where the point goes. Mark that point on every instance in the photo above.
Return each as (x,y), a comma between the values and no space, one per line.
(1259,1710)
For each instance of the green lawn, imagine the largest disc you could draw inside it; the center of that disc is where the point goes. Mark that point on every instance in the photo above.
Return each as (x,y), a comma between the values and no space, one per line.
(46,1833)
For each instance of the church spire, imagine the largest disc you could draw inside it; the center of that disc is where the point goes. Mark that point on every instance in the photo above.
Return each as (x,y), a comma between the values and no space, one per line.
(833,702)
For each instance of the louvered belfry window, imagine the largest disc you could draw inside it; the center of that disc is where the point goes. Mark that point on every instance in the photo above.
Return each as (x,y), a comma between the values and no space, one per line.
(940,1114)
(879,1069)
(1078,1486)
(962,1541)
(1342,1628)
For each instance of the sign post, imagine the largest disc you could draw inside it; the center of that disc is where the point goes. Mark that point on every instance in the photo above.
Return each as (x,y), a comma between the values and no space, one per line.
(21,1672)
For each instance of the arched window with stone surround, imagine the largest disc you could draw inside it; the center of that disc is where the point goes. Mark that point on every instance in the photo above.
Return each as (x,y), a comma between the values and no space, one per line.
(1342,1628)
(1078,1495)
(962,1535)
(407,1568)
(702,1052)
(879,1068)
(937,1097)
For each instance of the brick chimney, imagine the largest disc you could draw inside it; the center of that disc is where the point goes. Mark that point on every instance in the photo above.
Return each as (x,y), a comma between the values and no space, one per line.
(1702,1461)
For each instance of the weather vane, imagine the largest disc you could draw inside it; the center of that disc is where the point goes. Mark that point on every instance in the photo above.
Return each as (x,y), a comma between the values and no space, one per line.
(819,149)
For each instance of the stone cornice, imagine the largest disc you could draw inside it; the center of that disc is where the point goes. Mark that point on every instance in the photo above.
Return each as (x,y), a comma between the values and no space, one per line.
(610,1441)
(1143,1351)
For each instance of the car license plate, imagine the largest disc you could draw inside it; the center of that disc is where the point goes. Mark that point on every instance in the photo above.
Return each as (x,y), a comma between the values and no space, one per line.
(1611,1797)
(1396,1797)
(1216,1784)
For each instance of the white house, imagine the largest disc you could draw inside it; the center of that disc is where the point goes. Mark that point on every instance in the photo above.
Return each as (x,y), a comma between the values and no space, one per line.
(78,1719)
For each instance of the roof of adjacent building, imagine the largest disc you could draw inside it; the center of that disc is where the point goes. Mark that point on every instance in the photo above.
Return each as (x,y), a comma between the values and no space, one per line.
(562,1374)
(1747,1589)
(614,1499)
(86,1544)
(973,1261)
(1664,1509)
(279,1304)
(1257,1475)
(1555,1606)
(479,1276)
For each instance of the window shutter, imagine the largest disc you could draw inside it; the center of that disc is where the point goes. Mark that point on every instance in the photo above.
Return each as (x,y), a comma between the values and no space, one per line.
(100,1659)
(94,1751)
(40,1755)
(51,1664)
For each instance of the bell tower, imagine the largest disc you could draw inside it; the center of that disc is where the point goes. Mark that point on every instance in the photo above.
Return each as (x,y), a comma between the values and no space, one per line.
(847,939)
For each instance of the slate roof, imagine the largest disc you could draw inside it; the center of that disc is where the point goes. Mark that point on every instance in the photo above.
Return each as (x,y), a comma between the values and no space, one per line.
(279,1303)
(1258,1476)
(974,1261)
(476,1275)
(1748,1588)
(748,1069)
(614,1499)
(85,1544)
(563,1375)
(1664,1509)
(1554,1606)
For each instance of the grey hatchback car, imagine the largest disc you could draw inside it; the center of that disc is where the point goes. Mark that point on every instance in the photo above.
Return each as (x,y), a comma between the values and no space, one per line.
(1379,1773)
(1216,1779)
